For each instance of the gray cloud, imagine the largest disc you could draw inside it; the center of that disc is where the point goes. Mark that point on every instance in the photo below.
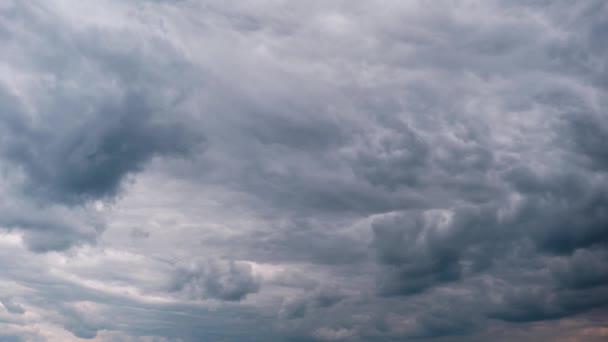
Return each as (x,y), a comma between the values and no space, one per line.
(90,160)
(230,280)
(97,121)
(11,306)
(320,298)
(585,269)
(340,170)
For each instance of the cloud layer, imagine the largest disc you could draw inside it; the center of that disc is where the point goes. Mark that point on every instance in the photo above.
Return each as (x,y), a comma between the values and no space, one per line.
(303,171)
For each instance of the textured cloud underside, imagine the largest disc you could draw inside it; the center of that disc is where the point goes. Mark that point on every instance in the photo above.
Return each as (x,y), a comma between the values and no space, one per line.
(304,170)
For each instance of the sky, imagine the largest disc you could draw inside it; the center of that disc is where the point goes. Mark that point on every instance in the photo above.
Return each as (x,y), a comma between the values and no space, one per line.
(322,170)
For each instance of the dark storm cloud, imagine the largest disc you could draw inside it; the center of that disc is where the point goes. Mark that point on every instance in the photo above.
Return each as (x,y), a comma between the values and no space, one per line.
(411,268)
(541,304)
(587,268)
(90,159)
(79,144)
(443,322)
(394,171)
(589,134)
(81,137)
(451,183)
(562,211)
(420,250)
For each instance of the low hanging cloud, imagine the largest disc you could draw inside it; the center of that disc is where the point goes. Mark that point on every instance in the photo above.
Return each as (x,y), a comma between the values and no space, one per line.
(303,171)
(91,159)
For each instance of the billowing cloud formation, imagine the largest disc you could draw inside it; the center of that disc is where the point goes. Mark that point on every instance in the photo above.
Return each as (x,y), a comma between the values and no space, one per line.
(303,171)
(230,281)
(91,159)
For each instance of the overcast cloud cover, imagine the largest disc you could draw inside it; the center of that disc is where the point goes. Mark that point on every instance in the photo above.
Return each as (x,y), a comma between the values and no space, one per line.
(274,170)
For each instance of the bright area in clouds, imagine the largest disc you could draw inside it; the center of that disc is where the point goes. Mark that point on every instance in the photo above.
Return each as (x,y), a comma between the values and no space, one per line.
(276,170)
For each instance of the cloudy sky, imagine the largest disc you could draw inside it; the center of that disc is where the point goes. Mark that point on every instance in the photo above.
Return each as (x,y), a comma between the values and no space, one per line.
(322,170)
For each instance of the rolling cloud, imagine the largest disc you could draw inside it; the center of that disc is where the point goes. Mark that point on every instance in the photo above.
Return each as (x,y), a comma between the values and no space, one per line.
(303,171)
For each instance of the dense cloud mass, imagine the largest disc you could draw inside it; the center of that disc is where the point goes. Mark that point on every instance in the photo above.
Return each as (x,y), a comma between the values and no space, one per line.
(275,170)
